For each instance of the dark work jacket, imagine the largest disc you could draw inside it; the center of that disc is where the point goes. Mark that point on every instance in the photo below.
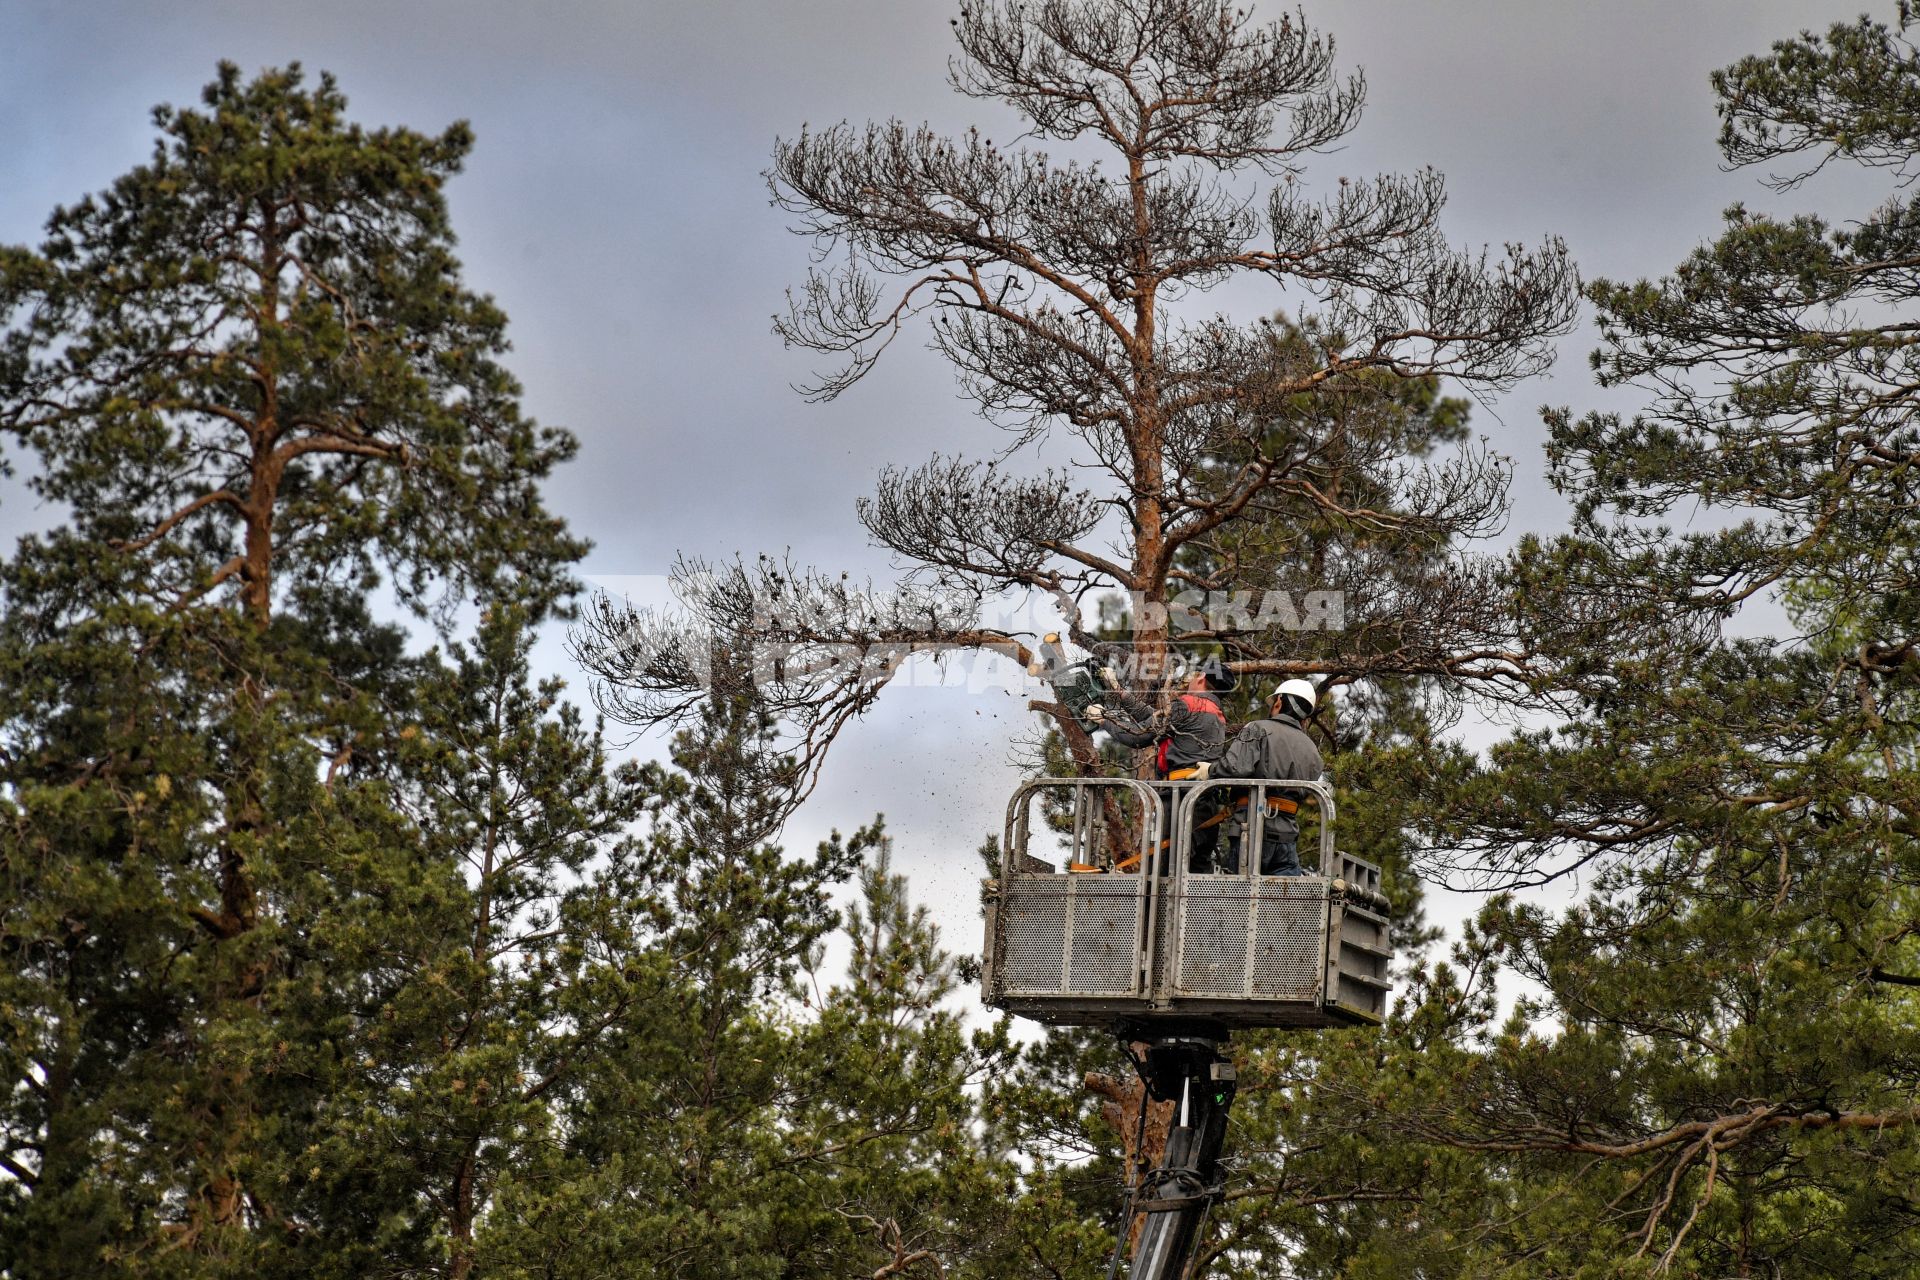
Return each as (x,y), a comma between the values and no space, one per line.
(1193,724)
(1273,748)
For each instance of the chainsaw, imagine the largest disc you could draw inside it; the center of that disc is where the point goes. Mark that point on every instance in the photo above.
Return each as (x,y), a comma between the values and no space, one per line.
(1078,684)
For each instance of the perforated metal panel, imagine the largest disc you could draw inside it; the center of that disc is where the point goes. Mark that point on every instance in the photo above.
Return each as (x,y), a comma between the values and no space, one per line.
(1270,951)
(1289,939)
(1215,914)
(1262,939)
(1070,935)
(1032,931)
(1105,948)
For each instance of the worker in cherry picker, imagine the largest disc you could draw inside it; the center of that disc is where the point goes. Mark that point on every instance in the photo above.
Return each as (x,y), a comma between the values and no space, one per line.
(1187,735)
(1191,731)
(1276,747)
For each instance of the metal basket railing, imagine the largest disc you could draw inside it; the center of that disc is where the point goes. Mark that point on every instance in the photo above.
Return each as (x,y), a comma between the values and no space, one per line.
(1244,948)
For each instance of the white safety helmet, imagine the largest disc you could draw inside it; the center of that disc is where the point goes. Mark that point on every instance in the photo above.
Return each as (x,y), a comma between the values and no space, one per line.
(1303,693)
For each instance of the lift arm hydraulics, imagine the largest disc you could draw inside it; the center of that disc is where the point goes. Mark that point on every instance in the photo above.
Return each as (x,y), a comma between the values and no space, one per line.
(1175,1197)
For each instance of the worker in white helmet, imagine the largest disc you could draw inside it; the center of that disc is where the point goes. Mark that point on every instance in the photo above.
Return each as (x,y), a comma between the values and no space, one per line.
(1276,747)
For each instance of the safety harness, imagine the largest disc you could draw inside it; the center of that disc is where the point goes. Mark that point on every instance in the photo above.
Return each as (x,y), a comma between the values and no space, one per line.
(1275,805)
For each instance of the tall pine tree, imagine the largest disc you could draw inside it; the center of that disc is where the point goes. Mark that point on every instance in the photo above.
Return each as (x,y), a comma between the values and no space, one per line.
(250,371)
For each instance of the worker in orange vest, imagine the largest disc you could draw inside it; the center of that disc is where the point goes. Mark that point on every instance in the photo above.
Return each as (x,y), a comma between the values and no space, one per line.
(1190,732)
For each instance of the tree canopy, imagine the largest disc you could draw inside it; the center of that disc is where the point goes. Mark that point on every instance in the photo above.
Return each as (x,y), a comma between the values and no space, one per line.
(1066,292)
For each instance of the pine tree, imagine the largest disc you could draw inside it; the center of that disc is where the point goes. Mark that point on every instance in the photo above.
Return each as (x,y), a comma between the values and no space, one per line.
(1716,1074)
(661,1164)
(892,1076)
(251,373)
(1064,295)
(747,1118)
(507,981)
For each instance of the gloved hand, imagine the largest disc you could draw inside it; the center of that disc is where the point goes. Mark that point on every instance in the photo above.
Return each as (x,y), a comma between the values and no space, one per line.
(1108,678)
(1095,714)
(1203,771)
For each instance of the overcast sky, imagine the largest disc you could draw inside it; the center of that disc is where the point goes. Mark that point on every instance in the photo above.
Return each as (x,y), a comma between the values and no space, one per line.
(614,206)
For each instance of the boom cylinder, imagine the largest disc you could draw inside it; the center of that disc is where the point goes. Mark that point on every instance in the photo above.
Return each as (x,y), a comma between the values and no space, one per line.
(1176,1195)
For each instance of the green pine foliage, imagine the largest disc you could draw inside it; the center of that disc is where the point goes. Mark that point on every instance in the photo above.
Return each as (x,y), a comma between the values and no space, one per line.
(331,958)
(250,373)
(750,1116)
(1711,1071)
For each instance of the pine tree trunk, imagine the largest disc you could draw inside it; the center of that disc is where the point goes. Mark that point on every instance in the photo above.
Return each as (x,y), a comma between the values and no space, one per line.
(460,1225)
(1140,1146)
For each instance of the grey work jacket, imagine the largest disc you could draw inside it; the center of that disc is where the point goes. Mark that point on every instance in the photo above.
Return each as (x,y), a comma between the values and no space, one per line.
(1194,734)
(1273,748)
